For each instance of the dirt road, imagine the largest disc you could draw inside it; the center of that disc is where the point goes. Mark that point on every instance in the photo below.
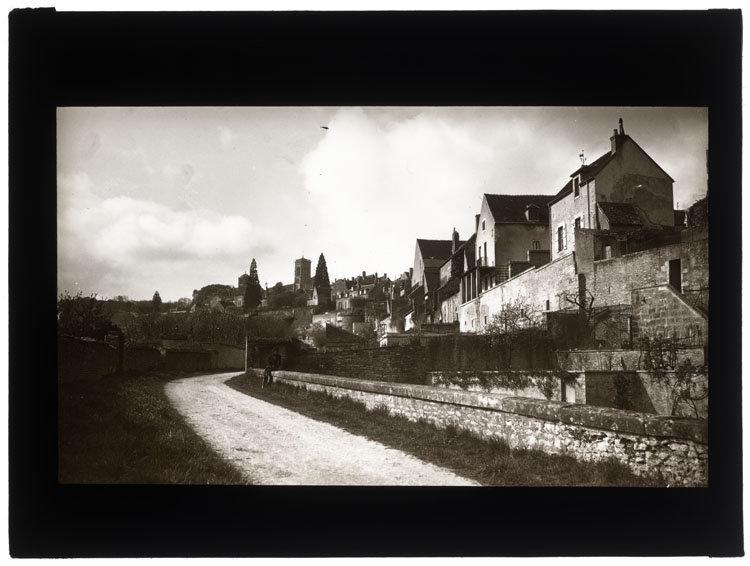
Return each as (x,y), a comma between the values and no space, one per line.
(275,446)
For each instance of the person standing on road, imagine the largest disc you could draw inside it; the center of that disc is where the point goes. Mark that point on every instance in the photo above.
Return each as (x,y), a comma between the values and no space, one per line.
(274,363)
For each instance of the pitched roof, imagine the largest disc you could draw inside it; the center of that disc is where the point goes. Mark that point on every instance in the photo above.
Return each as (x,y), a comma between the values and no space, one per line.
(620,213)
(588,171)
(435,249)
(512,208)
(593,168)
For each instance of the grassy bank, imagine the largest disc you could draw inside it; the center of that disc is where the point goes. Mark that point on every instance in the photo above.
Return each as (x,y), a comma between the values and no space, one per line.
(490,463)
(124,430)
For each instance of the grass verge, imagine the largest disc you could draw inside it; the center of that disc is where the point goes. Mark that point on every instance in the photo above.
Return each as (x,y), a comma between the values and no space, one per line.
(488,462)
(124,430)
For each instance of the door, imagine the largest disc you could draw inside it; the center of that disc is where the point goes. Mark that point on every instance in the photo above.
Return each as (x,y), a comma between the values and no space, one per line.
(675,274)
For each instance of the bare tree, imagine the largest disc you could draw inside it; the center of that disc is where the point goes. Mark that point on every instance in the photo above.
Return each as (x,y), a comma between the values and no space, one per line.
(515,322)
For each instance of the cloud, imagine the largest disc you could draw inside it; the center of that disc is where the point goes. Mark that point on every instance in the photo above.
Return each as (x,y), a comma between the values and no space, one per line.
(122,238)
(375,179)
(225,136)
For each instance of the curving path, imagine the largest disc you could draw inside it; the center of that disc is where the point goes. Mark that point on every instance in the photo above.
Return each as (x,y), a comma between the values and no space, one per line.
(276,446)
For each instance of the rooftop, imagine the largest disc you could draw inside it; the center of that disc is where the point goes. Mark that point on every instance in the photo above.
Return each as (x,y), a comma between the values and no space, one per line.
(512,208)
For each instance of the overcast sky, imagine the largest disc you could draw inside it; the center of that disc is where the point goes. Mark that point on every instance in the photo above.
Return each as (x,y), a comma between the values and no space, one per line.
(172,199)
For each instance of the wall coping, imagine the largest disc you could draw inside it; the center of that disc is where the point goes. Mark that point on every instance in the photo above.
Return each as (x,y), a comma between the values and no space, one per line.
(604,350)
(602,418)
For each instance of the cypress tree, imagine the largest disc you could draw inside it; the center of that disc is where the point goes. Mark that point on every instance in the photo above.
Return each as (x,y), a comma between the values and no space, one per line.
(253,291)
(321,273)
(156,301)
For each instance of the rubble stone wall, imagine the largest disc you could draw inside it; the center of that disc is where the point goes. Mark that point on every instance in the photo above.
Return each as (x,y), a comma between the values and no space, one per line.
(675,449)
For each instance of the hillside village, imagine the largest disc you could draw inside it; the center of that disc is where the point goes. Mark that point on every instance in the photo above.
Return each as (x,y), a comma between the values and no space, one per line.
(609,241)
(593,295)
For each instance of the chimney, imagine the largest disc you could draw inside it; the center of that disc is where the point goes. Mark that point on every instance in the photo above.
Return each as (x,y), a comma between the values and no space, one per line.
(476,223)
(454,241)
(617,137)
(363,274)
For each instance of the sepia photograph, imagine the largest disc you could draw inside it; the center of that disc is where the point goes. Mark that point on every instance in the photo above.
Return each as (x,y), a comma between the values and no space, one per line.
(374,284)
(394,296)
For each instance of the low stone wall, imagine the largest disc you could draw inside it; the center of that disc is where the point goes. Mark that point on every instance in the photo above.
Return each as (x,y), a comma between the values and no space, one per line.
(187,360)
(142,358)
(84,359)
(566,386)
(673,448)
(227,356)
(616,360)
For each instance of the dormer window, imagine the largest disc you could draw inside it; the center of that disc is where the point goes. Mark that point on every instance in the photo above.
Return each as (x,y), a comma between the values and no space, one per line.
(532,213)
(576,187)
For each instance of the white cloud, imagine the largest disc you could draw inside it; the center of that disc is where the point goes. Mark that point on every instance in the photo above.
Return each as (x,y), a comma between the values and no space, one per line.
(120,236)
(225,136)
(376,180)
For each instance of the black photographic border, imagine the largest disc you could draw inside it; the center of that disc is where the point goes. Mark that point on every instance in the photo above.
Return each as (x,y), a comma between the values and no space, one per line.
(565,58)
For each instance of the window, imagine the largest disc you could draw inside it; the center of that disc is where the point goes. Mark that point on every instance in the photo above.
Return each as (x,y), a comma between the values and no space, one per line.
(578,222)
(576,187)
(560,237)
(535,245)
(485,251)
(483,225)
(546,305)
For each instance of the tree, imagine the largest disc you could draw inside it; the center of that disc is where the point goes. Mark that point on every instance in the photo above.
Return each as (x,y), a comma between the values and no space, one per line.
(82,316)
(317,333)
(253,290)
(514,322)
(321,273)
(156,301)
(592,322)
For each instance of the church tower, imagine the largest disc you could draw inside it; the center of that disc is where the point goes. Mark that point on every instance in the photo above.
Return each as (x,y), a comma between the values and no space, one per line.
(302,279)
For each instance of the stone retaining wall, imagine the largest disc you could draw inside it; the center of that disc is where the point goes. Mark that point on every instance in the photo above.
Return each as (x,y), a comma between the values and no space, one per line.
(650,445)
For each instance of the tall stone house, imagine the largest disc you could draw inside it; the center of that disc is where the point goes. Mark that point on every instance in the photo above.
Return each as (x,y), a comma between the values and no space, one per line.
(512,235)
(611,236)
(429,256)
(622,191)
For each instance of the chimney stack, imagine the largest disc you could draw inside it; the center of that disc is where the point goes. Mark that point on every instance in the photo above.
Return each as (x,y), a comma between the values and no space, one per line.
(617,137)
(476,223)
(454,241)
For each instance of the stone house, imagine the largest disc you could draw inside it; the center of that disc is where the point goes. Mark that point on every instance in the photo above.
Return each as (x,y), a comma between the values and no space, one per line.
(623,191)
(512,235)
(447,298)
(429,257)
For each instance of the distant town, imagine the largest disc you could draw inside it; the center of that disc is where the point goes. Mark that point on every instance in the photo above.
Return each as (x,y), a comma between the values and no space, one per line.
(608,235)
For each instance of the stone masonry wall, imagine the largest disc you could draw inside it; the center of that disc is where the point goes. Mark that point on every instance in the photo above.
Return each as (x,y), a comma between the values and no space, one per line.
(410,363)
(613,280)
(660,311)
(609,360)
(673,448)
(537,286)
